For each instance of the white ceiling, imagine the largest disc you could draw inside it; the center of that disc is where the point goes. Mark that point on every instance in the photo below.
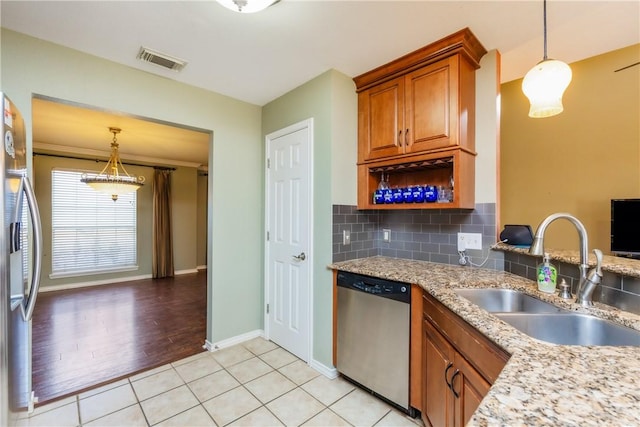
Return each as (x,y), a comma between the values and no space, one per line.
(259,57)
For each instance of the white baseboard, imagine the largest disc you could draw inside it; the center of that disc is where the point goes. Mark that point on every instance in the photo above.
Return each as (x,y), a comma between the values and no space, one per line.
(189,271)
(329,372)
(201,267)
(93,283)
(233,340)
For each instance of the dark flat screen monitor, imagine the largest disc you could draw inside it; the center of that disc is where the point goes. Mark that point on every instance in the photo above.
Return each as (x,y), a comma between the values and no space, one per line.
(625,227)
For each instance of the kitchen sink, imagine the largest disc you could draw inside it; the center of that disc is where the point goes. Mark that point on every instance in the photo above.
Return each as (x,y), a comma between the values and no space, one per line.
(572,329)
(506,301)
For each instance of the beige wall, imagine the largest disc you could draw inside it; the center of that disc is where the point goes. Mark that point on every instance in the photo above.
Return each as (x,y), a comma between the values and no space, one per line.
(577,161)
(201,239)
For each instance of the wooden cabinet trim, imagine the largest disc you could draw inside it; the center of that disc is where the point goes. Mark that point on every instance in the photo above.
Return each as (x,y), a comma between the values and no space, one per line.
(415,353)
(463,42)
(466,339)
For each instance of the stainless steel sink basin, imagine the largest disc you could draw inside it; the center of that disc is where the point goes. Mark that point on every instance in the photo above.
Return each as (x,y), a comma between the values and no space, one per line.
(506,301)
(572,329)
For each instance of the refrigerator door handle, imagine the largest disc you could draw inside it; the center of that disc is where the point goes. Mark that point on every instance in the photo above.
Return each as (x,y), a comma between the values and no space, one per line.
(34,213)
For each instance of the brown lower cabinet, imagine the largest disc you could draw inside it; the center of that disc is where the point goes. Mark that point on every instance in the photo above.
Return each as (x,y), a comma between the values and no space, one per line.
(459,366)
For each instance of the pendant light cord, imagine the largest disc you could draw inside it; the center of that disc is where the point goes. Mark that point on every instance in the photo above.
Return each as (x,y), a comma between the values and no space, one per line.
(544,16)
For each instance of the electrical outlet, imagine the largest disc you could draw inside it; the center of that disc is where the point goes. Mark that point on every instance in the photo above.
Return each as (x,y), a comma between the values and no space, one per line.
(386,235)
(346,237)
(469,241)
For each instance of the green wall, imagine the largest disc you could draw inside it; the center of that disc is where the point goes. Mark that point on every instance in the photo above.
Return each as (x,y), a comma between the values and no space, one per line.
(321,99)
(31,66)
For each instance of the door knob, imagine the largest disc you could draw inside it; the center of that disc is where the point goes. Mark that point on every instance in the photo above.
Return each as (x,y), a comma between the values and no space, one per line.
(300,257)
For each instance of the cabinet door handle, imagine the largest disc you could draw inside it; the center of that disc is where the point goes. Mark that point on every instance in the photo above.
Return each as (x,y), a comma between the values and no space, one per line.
(406,134)
(453,377)
(446,380)
(399,138)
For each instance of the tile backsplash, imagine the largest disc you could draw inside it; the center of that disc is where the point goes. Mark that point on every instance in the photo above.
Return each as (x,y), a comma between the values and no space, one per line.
(427,235)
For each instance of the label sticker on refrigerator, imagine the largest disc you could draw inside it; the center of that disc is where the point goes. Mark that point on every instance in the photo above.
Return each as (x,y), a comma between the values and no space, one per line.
(8,117)
(8,144)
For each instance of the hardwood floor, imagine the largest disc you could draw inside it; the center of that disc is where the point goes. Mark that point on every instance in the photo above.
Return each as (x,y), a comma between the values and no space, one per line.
(86,337)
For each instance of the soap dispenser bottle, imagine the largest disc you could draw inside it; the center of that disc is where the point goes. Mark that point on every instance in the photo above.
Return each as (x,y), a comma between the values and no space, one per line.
(547,275)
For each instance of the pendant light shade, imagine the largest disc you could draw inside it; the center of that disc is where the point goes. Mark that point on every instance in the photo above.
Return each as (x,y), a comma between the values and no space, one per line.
(544,85)
(247,6)
(110,180)
(546,82)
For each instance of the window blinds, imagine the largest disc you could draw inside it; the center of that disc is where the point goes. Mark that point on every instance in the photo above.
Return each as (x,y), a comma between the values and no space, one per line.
(90,232)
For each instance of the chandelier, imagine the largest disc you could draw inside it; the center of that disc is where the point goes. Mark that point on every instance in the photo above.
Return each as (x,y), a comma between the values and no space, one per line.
(110,180)
(545,83)
(247,6)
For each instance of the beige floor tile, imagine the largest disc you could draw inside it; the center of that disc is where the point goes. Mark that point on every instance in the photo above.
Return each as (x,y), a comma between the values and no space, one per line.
(261,417)
(360,408)
(156,384)
(259,346)
(198,368)
(249,370)
(328,391)
(299,372)
(295,407)
(130,417)
(60,416)
(396,419)
(194,417)
(190,359)
(327,418)
(150,372)
(232,355)
(168,404)
(109,401)
(213,385)
(278,357)
(269,386)
(103,388)
(49,406)
(231,405)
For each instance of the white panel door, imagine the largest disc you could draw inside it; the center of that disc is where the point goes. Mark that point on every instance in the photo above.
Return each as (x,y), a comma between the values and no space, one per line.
(288,254)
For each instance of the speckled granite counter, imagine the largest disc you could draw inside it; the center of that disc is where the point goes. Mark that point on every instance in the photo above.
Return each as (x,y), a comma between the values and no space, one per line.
(613,264)
(542,384)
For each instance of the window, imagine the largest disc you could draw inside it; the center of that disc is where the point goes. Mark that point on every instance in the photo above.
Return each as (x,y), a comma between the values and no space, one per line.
(91,233)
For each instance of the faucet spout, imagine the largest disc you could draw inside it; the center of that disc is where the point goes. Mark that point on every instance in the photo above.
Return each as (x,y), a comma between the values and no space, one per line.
(537,246)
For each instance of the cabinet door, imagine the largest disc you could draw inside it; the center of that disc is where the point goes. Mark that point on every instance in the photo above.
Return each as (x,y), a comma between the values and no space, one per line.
(470,387)
(431,106)
(438,355)
(380,120)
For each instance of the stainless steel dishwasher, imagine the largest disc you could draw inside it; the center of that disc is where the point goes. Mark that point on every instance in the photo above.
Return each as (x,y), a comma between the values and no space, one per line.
(373,323)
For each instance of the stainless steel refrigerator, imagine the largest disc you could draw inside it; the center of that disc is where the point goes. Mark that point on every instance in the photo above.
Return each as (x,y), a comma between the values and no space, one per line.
(20,264)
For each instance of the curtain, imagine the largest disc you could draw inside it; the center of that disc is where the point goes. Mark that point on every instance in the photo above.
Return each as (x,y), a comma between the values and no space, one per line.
(162,242)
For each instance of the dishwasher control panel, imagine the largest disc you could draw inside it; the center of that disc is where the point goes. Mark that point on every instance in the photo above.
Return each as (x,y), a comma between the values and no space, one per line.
(375,286)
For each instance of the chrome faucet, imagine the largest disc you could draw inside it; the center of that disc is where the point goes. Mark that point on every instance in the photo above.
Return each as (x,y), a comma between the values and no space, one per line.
(588,280)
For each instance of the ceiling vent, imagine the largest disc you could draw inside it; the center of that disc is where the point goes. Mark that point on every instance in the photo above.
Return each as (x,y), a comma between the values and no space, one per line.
(161,59)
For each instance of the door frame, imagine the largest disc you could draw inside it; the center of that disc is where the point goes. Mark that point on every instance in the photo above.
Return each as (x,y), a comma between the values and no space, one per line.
(304,124)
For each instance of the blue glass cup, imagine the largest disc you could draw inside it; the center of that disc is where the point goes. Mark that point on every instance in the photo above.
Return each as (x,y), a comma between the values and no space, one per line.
(387,195)
(418,194)
(407,194)
(397,195)
(378,197)
(430,193)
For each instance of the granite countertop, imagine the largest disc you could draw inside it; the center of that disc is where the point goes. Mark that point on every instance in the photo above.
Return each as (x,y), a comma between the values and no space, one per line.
(542,383)
(613,264)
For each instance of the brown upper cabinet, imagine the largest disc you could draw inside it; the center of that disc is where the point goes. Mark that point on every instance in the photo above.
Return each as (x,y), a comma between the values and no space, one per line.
(423,102)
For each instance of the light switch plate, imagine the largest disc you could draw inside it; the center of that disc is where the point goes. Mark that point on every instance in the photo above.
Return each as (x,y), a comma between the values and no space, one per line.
(469,241)
(386,235)
(346,237)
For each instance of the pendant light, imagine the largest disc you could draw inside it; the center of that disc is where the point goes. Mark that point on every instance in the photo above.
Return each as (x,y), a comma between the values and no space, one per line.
(247,6)
(110,180)
(545,83)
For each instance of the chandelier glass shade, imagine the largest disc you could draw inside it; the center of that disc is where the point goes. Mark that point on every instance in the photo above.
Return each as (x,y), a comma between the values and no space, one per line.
(546,82)
(247,6)
(111,180)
